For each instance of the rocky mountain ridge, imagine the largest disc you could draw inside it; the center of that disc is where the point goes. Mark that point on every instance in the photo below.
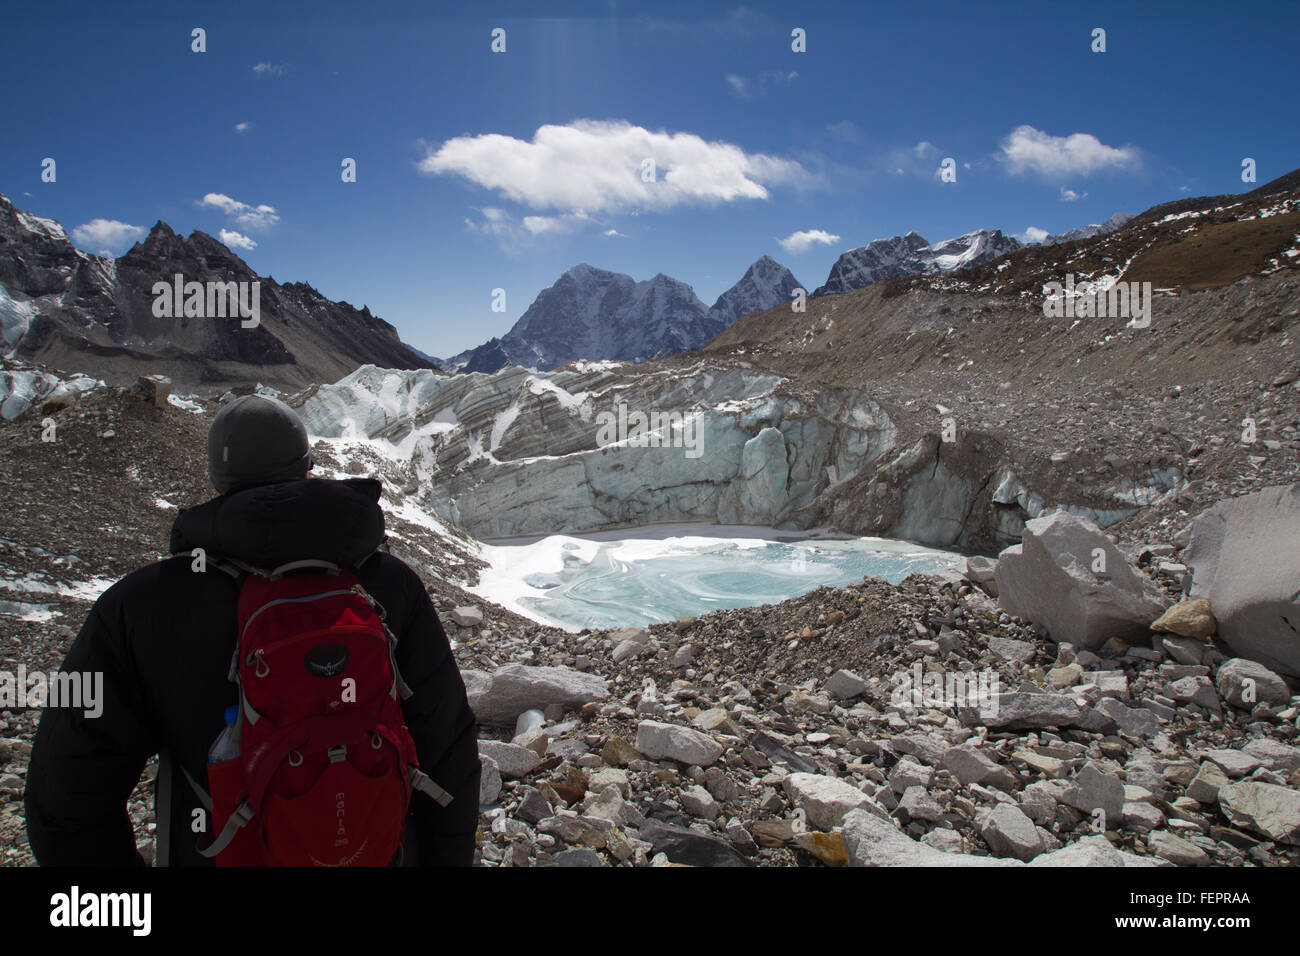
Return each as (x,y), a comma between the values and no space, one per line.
(71,310)
(591,313)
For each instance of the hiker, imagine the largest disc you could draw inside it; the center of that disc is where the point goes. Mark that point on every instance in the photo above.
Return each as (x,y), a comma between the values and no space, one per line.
(164,637)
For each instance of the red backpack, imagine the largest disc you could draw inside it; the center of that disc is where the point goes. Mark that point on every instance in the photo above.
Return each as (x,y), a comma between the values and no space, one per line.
(323,767)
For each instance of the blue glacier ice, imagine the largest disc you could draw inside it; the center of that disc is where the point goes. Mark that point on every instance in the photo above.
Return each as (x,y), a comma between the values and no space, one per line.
(601,581)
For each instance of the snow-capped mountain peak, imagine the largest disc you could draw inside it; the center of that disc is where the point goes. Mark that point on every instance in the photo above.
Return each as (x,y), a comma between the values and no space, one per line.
(912,254)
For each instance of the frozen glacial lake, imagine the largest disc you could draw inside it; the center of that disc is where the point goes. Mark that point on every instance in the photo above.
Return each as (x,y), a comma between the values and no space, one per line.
(660,573)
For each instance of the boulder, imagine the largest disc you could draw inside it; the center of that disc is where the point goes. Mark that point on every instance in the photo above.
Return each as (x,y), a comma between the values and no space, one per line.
(1275,755)
(872,841)
(1207,783)
(824,800)
(1235,763)
(1009,649)
(1008,832)
(1048,579)
(467,616)
(1176,850)
(1022,711)
(1134,721)
(917,804)
(659,741)
(698,802)
(1265,808)
(1190,618)
(1243,557)
(1092,851)
(533,808)
(1245,683)
(512,760)
(970,765)
(1094,789)
(845,685)
(514,688)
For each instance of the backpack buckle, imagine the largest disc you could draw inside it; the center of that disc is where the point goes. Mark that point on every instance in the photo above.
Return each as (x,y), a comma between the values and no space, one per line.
(338,754)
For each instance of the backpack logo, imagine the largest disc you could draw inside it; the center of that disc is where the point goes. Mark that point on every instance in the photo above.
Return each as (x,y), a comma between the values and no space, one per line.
(326,660)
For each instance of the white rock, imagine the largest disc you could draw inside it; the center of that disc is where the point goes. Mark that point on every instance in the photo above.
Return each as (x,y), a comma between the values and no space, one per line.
(660,741)
(823,799)
(515,688)
(1245,683)
(512,760)
(1264,808)
(1093,789)
(1244,558)
(1008,832)
(1176,850)
(467,616)
(1275,755)
(1235,763)
(698,802)
(845,685)
(970,765)
(872,841)
(1048,579)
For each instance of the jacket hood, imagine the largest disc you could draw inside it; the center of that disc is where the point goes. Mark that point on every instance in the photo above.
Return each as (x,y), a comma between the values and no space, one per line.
(270,525)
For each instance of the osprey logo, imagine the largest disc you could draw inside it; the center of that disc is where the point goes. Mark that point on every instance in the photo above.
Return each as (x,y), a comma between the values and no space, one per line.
(326,660)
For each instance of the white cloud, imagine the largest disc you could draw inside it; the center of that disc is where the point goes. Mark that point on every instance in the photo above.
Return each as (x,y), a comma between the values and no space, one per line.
(746,89)
(243,127)
(1028,150)
(912,161)
(1034,234)
(236,240)
(1069,195)
(269,69)
(846,131)
(106,235)
(513,234)
(591,166)
(800,242)
(546,225)
(613,233)
(254,217)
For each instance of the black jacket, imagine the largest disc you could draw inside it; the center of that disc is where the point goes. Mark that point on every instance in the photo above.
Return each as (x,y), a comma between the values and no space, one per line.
(163,638)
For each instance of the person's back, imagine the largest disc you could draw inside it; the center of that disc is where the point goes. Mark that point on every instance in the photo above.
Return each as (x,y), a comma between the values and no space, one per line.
(164,636)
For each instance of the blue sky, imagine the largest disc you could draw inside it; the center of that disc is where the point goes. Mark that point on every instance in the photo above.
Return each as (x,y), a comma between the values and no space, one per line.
(478,170)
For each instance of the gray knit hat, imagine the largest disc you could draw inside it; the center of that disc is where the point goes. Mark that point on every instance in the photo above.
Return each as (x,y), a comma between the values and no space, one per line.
(255,440)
